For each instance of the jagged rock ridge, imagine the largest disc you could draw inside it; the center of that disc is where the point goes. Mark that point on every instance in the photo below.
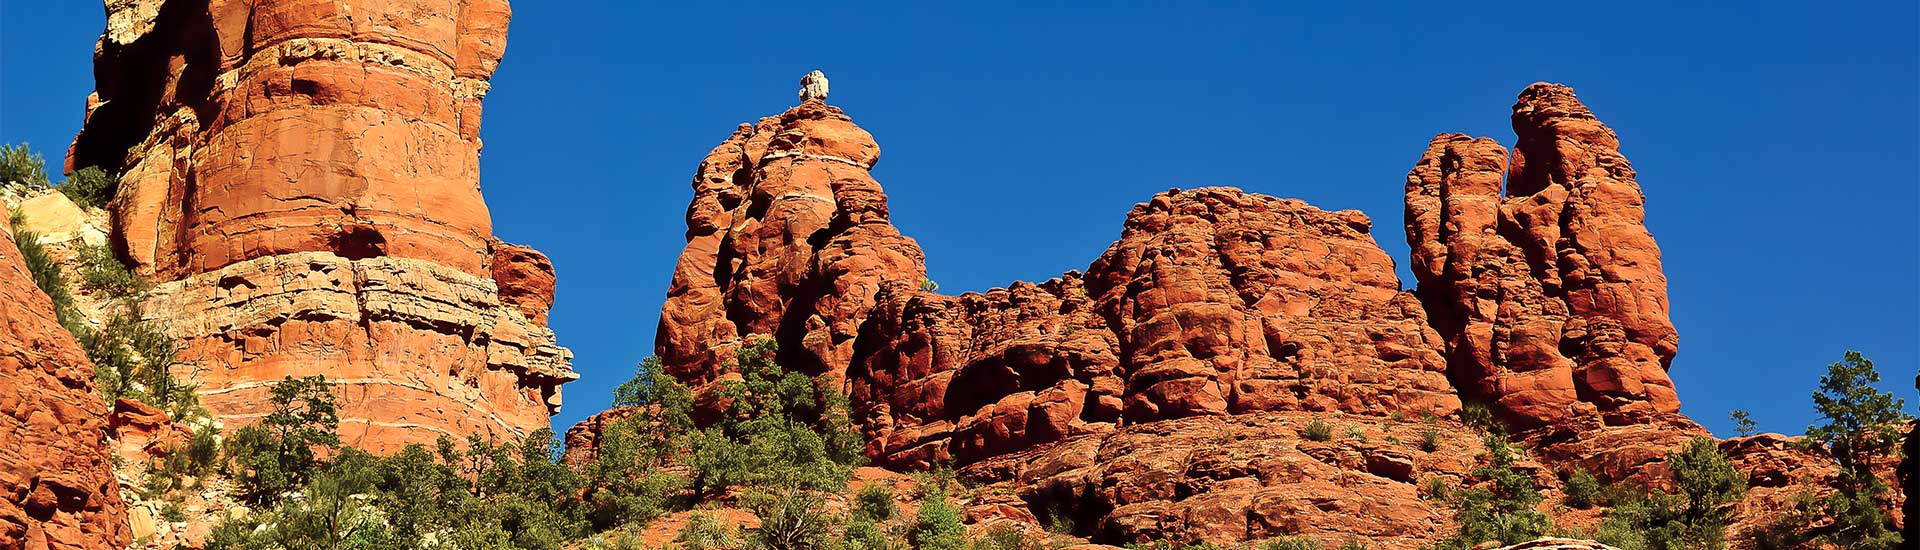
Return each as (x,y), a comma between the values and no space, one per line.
(1078,395)
(302,178)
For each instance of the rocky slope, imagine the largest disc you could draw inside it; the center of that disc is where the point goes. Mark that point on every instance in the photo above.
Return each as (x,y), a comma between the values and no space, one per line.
(57,488)
(302,179)
(1163,393)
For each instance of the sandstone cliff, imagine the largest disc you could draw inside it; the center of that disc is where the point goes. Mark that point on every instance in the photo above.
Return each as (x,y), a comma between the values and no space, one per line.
(57,488)
(1164,392)
(303,181)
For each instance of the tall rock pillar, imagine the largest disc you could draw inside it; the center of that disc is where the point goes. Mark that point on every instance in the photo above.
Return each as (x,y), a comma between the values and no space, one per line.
(1549,292)
(303,179)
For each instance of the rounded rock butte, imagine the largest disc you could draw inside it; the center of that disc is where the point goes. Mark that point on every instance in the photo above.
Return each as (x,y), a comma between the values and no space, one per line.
(302,179)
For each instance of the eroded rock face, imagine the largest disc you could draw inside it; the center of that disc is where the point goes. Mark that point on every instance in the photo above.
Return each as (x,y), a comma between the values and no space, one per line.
(1558,544)
(1548,293)
(414,349)
(57,489)
(787,237)
(1213,302)
(1161,393)
(1244,477)
(304,180)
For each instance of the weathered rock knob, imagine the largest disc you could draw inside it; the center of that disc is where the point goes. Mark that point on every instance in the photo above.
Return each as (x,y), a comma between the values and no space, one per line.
(813,86)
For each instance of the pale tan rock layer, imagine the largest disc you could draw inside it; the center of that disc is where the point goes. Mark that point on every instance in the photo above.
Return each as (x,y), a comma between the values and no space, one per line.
(414,349)
(304,177)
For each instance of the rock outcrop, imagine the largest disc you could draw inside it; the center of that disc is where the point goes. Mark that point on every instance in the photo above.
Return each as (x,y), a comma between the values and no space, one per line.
(1549,293)
(1558,544)
(1163,394)
(57,489)
(302,179)
(1544,283)
(787,237)
(1213,302)
(1240,478)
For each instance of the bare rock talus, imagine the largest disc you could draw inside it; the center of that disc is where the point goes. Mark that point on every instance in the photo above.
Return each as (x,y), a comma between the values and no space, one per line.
(1549,293)
(303,178)
(57,489)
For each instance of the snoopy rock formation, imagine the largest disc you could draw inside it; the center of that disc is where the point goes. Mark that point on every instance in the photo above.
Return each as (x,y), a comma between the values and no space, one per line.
(302,179)
(1218,325)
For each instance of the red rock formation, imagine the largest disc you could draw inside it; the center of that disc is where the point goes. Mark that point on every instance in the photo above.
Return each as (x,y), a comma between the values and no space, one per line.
(1214,301)
(303,179)
(1241,478)
(787,235)
(141,431)
(1549,294)
(57,488)
(1160,395)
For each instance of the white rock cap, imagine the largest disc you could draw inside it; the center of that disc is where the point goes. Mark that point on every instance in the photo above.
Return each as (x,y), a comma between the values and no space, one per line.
(813,86)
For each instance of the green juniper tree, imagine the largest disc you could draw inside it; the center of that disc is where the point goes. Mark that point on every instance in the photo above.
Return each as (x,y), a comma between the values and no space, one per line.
(1504,507)
(1694,517)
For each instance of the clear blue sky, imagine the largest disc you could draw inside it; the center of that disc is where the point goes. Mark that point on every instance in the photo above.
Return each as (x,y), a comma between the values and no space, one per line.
(1777,142)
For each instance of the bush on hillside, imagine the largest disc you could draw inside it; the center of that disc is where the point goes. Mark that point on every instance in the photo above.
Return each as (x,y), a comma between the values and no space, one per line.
(1582,489)
(780,429)
(281,451)
(937,526)
(1317,430)
(133,359)
(1694,518)
(1861,428)
(89,187)
(19,164)
(512,495)
(791,519)
(1503,507)
(46,274)
(101,270)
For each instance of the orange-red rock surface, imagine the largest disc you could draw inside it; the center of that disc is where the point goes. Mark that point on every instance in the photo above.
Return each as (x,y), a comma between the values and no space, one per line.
(1162,393)
(1242,477)
(303,178)
(1214,301)
(787,235)
(1546,287)
(1549,293)
(57,489)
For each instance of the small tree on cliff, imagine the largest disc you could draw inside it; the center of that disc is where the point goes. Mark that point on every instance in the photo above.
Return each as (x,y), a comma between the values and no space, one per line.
(279,452)
(1504,507)
(779,428)
(629,478)
(1862,430)
(1695,517)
